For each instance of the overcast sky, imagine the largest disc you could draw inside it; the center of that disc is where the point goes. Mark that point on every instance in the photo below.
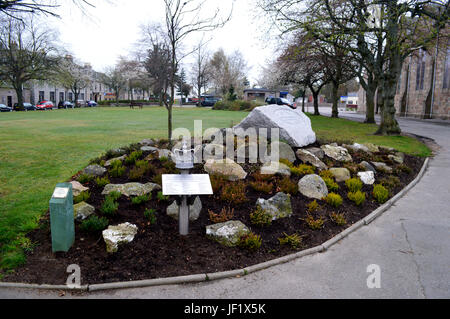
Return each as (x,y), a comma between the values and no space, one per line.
(100,35)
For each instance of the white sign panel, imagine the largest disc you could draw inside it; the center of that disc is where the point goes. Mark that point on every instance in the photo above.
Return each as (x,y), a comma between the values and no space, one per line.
(60,192)
(189,184)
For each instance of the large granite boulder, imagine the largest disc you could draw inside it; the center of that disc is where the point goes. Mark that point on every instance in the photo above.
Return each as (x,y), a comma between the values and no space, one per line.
(117,235)
(131,189)
(372,147)
(337,153)
(313,186)
(225,167)
(77,188)
(295,126)
(194,210)
(147,148)
(382,167)
(273,168)
(278,206)
(95,170)
(318,152)
(227,233)
(341,174)
(82,211)
(399,157)
(307,157)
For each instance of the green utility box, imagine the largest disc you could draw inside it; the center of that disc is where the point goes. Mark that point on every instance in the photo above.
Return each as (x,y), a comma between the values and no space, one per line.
(61,218)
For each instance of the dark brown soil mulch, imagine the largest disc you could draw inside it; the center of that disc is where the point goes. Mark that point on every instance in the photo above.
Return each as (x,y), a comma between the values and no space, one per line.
(159,251)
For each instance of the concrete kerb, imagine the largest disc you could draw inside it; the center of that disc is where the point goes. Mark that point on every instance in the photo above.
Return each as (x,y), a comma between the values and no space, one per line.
(239,272)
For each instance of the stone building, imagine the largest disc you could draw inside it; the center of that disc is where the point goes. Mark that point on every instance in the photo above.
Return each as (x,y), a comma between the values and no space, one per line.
(421,92)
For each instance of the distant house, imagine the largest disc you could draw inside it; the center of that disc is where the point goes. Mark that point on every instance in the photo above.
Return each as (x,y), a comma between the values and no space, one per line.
(261,94)
(350,99)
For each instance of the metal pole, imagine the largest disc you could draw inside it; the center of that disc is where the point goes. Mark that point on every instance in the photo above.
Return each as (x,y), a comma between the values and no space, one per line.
(183,214)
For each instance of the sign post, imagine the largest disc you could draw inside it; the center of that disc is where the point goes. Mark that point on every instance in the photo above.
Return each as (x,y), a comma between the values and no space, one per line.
(61,218)
(185,185)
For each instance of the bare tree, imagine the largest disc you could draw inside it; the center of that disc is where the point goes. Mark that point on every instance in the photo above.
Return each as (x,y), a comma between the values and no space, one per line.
(26,53)
(201,72)
(183,18)
(16,8)
(113,79)
(72,76)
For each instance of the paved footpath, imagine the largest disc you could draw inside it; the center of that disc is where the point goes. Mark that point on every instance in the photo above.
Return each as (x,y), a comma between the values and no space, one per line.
(410,243)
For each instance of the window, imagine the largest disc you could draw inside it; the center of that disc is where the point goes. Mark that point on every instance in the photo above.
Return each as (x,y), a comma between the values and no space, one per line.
(82,96)
(446,84)
(41,96)
(61,96)
(70,96)
(52,97)
(420,70)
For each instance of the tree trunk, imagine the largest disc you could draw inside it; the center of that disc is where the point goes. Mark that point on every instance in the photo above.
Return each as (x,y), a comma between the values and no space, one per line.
(316,103)
(19,92)
(370,105)
(335,98)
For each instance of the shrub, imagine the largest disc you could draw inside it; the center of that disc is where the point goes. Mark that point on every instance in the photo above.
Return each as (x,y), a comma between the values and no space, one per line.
(293,240)
(314,224)
(326,174)
(286,162)
(133,157)
(339,219)
(170,167)
(312,207)
(157,179)
(334,200)
(109,206)
(250,241)
(357,197)
(402,168)
(302,169)
(117,169)
(114,195)
(82,197)
(260,218)
(102,181)
(163,159)
(225,214)
(136,173)
(331,184)
(354,184)
(85,178)
(138,200)
(150,214)
(94,224)
(161,197)
(380,193)
(261,177)
(262,187)
(234,193)
(391,182)
(285,185)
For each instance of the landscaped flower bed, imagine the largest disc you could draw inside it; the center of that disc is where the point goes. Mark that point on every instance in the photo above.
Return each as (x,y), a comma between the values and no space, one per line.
(157,250)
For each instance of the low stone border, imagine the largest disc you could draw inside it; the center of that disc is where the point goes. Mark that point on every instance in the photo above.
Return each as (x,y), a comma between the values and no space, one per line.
(239,272)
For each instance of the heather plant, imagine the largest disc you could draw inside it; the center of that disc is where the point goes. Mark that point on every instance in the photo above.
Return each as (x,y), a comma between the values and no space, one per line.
(380,193)
(357,197)
(331,184)
(225,214)
(302,169)
(250,242)
(333,199)
(85,178)
(314,224)
(285,185)
(109,206)
(138,200)
(262,187)
(293,240)
(354,184)
(150,214)
(260,218)
(133,157)
(161,197)
(82,197)
(102,181)
(338,219)
(312,206)
(234,193)
(94,224)
(117,169)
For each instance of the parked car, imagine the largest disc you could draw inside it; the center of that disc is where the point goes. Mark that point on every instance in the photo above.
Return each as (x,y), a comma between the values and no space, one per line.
(91,103)
(280,101)
(45,105)
(4,108)
(209,101)
(26,107)
(80,103)
(65,105)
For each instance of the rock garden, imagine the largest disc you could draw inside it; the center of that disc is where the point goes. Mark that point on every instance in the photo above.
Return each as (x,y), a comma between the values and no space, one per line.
(126,229)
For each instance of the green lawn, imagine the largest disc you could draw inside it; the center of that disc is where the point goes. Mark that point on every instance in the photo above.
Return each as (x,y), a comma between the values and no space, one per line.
(40,149)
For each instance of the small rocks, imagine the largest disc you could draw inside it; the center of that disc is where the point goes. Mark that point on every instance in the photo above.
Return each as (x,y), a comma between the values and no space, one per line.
(131,189)
(372,147)
(318,152)
(382,167)
(82,211)
(95,170)
(368,166)
(313,186)
(194,210)
(337,153)
(149,149)
(399,158)
(278,206)
(117,235)
(357,147)
(284,151)
(225,167)
(273,168)
(227,233)
(341,174)
(147,142)
(112,160)
(368,177)
(77,188)
(307,157)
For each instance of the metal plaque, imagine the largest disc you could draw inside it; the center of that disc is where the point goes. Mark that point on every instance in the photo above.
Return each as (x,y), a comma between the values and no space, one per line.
(189,184)
(60,192)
